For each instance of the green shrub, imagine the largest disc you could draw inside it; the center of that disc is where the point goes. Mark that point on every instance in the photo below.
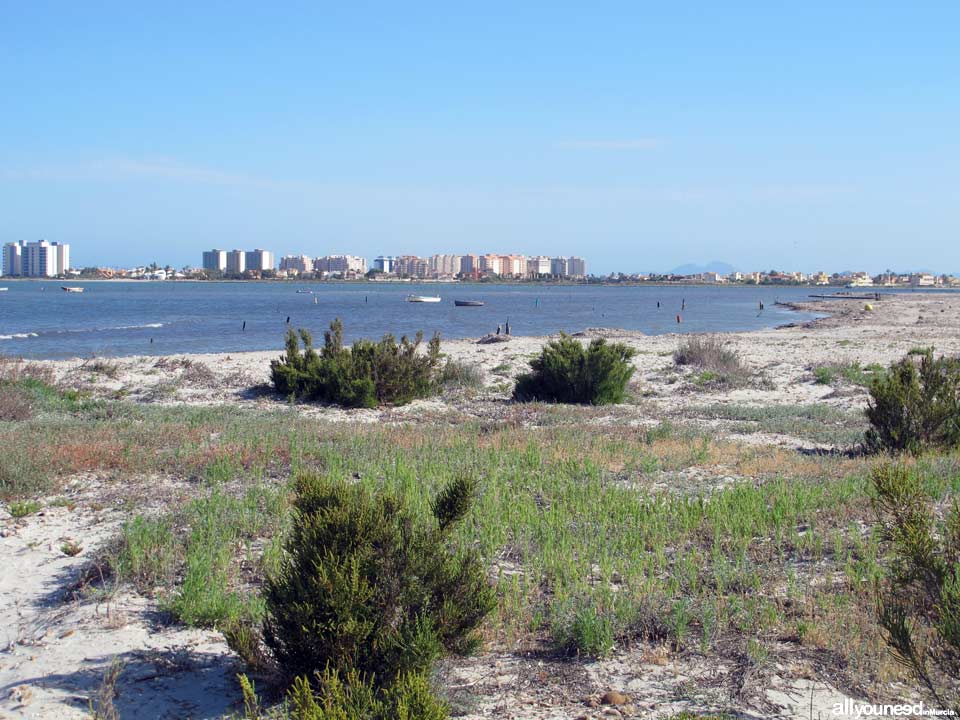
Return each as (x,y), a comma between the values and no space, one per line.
(919,606)
(915,406)
(566,372)
(366,586)
(367,375)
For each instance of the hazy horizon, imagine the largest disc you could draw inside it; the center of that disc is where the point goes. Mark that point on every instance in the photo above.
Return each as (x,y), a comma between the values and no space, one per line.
(640,138)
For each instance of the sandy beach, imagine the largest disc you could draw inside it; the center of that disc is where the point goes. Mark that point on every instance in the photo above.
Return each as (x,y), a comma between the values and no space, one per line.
(56,641)
(781,358)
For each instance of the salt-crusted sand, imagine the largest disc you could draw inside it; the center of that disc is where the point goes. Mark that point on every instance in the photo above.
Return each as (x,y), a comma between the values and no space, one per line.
(54,647)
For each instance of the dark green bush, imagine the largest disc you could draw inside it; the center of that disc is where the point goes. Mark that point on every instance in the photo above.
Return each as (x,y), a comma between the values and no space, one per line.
(566,372)
(919,605)
(368,587)
(367,375)
(915,405)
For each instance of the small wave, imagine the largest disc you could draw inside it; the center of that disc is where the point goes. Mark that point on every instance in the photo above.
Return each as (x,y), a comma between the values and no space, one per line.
(132,327)
(18,336)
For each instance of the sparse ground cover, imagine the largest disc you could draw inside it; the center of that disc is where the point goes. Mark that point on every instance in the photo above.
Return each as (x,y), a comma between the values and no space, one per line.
(665,547)
(600,538)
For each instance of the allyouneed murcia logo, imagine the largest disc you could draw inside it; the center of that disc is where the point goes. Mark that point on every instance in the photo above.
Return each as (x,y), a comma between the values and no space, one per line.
(850,708)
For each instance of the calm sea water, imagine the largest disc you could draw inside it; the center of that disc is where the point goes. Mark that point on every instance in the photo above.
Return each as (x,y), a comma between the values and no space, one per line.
(38,320)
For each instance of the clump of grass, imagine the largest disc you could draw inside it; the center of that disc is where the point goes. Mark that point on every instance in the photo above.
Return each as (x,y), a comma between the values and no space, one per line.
(103,367)
(147,553)
(71,548)
(13,370)
(717,363)
(586,632)
(15,404)
(852,373)
(567,372)
(365,375)
(23,508)
(460,375)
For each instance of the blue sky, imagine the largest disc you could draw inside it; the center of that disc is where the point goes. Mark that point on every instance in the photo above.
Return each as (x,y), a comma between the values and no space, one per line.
(639,135)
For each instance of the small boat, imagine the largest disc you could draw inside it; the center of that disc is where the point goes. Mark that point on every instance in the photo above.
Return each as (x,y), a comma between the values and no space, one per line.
(468,303)
(4,289)
(305,292)
(67,288)
(423,298)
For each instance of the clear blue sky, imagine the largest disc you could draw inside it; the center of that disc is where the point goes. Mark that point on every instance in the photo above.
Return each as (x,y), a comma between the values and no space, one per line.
(640,135)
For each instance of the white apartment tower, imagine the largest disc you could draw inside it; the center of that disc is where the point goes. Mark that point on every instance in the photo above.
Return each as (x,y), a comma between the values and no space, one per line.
(36,259)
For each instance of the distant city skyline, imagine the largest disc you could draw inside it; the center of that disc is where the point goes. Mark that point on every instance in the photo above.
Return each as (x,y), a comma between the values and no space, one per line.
(815,136)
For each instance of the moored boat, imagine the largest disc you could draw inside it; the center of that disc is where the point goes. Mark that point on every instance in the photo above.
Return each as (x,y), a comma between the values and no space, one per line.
(423,298)
(67,288)
(468,303)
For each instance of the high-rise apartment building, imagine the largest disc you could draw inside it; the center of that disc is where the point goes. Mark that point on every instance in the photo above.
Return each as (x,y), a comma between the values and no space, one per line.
(469,264)
(258,260)
(340,264)
(576,267)
(444,265)
(12,254)
(558,267)
(538,266)
(36,259)
(411,266)
(215,260)
(384,263)
(490,264)
(236,262)
(296,263)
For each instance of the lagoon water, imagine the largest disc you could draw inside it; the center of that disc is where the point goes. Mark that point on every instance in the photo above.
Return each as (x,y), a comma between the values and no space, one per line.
(39,320)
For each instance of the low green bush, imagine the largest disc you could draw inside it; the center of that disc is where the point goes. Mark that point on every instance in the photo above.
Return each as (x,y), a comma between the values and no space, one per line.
(919,604)
(368,589)
(366,375)
(915,405)
(351,697)
(567,372)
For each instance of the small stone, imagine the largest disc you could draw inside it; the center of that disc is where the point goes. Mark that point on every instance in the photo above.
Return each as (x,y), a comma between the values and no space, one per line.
(612,697)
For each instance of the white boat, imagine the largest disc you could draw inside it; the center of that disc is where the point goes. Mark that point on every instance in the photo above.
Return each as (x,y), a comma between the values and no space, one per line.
(67,288)
(4,289)
(423,298)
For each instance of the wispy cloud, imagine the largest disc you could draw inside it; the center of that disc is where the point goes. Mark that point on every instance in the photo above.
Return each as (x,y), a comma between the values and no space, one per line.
(126,168)
(647,143)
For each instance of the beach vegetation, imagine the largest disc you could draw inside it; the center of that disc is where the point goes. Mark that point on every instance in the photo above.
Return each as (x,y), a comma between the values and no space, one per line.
(566,372)
(23,508)
(457,375)
(915,405)
(852,373)
(370,590)
(716,363)
(366,375)
(919,602)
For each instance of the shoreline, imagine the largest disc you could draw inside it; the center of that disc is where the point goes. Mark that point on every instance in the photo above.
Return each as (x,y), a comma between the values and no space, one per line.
(780,362)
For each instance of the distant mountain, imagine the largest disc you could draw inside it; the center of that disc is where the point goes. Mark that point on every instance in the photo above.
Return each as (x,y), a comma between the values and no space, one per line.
(691,269)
